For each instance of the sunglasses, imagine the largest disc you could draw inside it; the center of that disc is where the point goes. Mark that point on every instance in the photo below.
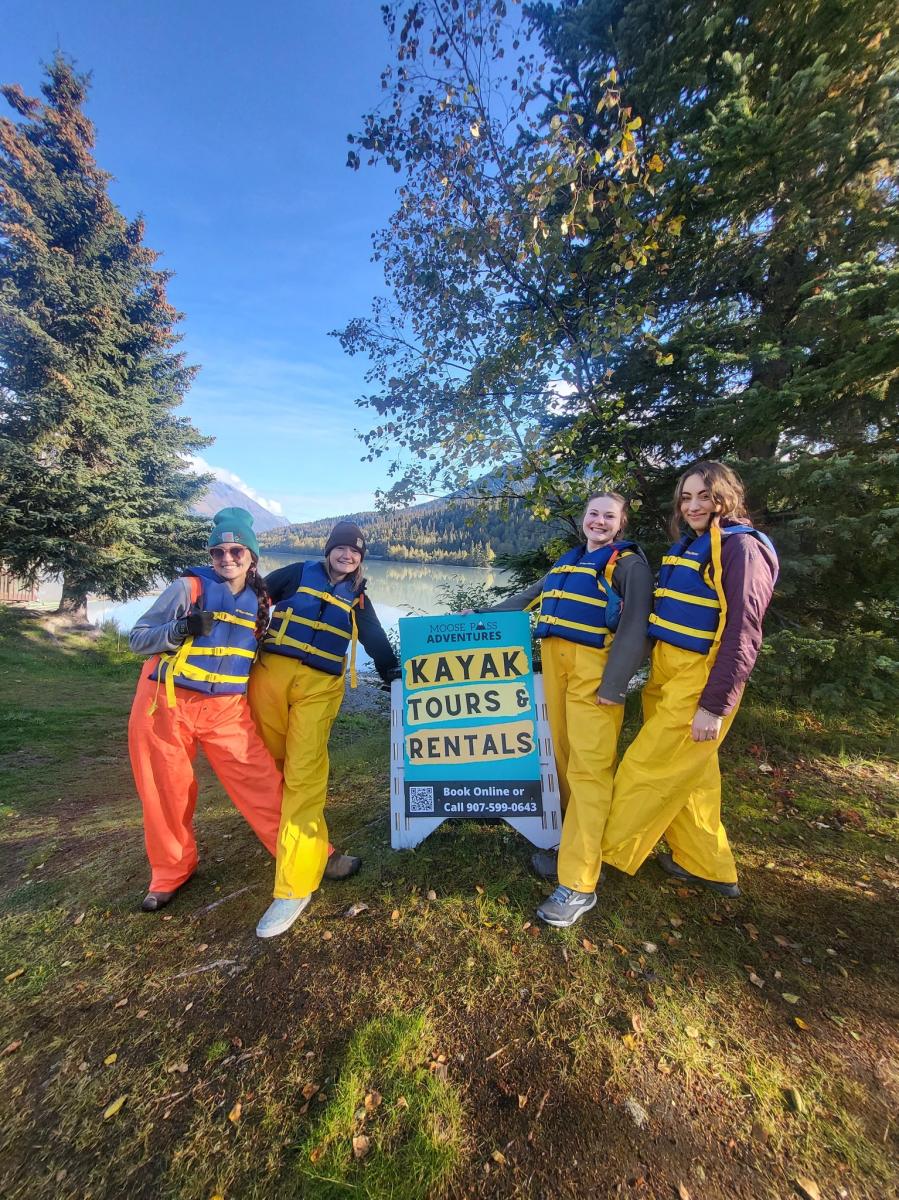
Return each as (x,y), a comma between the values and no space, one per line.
(220,553)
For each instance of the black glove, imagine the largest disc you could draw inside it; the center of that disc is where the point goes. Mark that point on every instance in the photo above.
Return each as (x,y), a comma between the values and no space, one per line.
(388,678)
(195,624)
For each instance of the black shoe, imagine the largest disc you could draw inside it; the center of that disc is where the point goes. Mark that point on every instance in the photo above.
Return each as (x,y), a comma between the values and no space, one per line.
(545,863)
(670,867)
(154,901)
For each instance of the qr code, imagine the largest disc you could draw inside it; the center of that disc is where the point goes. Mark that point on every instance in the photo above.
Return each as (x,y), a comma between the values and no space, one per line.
(421,799)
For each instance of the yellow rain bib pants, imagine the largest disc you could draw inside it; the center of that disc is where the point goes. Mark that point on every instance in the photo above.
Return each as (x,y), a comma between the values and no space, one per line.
(667,784)
(294,706)
(585,739)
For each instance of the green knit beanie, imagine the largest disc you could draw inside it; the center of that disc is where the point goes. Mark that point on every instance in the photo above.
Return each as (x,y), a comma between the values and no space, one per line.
(233,526)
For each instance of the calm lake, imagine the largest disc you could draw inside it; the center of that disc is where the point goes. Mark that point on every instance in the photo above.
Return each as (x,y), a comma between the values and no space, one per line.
(397,589)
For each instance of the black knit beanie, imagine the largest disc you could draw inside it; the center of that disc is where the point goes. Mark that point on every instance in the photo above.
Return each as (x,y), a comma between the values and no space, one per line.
(345,533)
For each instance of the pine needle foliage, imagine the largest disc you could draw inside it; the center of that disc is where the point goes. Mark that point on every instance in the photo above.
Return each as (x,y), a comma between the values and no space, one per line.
(92,454)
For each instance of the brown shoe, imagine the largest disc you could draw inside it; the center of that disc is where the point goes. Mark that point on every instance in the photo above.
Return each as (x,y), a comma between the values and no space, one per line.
(341,866)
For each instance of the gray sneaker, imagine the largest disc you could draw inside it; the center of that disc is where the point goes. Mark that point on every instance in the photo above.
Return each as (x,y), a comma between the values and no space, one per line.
(565,906)
(546,863)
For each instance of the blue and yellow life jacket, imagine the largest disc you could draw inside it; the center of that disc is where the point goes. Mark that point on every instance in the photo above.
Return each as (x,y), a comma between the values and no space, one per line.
(317,623)
(690,608)
(219,663)
(578,599)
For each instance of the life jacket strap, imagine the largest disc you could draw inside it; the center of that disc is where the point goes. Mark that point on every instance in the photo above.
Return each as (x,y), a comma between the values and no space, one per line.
(558,594)
(353,641)
(685,597)
(551,620)
(290,615)
(694,633)
(330,598)
(281,639)
(675,560)
(231,619)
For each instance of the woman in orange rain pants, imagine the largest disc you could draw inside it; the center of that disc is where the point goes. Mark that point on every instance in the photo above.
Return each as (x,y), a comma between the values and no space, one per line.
(202,633)
(715,584)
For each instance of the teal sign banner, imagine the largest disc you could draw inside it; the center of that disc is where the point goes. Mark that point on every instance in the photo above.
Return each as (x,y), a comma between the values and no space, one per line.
(470,740)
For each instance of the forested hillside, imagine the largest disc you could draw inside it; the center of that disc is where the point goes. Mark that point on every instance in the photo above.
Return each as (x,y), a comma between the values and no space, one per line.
(440,531)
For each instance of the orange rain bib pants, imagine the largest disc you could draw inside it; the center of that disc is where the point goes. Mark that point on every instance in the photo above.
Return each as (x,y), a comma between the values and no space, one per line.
(294,706)
(585,740)
(668,784)
(162,743)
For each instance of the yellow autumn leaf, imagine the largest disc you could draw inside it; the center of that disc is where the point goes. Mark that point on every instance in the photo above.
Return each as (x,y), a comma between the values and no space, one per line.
(234,1114)
(14,975)
(112,1109)
(799,1023)
(499,1157)
(790,997)
(637,123)
(110,1059)
(656,164)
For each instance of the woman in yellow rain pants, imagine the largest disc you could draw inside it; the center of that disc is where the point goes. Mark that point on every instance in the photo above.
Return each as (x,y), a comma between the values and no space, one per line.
(202,633)
(296,689)
(586,670)
(714,586)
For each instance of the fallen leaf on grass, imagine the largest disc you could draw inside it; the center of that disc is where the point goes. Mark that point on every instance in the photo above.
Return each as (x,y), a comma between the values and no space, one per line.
(790,997)
(649,947)
(637,1023)
(751,930)
(373,1100)
(522,1100)
(662,1067)
(756,979)
(799,1023)
(499,1157)
(675,922)
(794,1099)
(361,1145)
(112,1109)
(309,1090)
(402,1102)
(629,1041)
(432,895)
(589,946)
(110,1059)
(807,1188)
(395,915)
(202,946)
(784,942)
(79,919)
(234,1114)
(15,974)
(691,1031)
(327,935)
(479,889)
(355,909)
(315,1153)
(12,1047)
(179,1068)
(682,1192)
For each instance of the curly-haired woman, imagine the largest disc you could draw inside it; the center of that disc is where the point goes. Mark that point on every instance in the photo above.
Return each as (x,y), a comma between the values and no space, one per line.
(714,586)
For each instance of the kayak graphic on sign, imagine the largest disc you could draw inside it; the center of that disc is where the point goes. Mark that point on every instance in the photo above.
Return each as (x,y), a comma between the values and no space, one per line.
(467,734)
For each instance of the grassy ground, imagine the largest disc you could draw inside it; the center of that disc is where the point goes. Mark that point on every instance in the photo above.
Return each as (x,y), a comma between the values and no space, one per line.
(437,1043)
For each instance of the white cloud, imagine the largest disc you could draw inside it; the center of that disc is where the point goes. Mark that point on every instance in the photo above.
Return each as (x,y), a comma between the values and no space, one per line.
(202,467)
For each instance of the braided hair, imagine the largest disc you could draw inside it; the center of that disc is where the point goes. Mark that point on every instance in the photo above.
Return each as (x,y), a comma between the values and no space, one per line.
(254,581)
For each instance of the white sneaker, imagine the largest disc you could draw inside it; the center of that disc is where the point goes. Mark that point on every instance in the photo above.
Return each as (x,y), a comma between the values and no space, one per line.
(279,916)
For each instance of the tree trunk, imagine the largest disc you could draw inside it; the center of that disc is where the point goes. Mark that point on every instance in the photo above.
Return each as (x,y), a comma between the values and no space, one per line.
(73,603)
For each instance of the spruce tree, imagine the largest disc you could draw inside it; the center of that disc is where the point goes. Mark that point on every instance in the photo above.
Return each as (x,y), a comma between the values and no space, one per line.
(93,475)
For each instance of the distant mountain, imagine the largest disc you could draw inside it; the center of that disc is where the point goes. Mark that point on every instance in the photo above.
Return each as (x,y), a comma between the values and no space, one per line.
(439,531)
(223,495)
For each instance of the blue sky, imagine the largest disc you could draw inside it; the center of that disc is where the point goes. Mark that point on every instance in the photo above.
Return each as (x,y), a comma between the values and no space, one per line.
(226,124)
